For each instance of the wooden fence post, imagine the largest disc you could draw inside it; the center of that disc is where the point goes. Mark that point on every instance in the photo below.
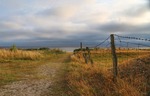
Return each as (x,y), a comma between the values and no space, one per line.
(81,45)
(89,55)
(114,56)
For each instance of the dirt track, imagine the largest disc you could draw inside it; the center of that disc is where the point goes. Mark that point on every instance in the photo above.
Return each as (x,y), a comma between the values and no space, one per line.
(35,87)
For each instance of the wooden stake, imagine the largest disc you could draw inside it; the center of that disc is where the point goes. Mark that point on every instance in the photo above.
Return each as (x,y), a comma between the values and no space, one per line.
(89,55)
(81,45)
(114,56)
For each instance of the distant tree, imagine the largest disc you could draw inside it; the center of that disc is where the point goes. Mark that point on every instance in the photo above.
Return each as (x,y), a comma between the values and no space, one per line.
(13,48)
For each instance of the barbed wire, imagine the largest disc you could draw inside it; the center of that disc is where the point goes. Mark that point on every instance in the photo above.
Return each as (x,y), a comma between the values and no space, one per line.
(135,38)
(102,42)
(136,44)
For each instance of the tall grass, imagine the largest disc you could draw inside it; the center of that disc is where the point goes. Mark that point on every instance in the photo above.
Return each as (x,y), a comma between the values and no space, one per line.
(24,64)
(85,80)
(97,80)
(19,55)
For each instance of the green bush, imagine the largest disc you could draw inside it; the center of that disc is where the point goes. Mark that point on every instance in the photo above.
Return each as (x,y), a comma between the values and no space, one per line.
(43,48)
(13,48)
(56,51)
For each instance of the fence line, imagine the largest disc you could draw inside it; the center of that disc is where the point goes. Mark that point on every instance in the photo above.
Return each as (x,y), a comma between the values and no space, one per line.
(117,49)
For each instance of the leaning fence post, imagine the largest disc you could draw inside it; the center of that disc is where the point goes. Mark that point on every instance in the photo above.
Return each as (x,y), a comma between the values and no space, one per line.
(85,57)
(114,56)
(89,54)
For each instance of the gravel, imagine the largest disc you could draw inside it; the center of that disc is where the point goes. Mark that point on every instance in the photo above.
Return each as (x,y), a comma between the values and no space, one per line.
(37,87)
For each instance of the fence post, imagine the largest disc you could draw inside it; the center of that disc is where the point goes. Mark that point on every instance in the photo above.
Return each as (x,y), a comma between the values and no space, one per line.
(81,45)
(85,58)
(114,56)
(89,55)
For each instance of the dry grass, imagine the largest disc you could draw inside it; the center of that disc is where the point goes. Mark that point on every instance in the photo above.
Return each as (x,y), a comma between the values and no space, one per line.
(97,80)
(14,71)
(22,64)
(137,74)
(19,55)
(85,79)
(18,64)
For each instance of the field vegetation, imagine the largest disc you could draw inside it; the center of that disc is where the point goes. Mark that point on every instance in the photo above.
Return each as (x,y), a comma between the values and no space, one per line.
(19,55)
(81,79)
(16,65)
(97,79)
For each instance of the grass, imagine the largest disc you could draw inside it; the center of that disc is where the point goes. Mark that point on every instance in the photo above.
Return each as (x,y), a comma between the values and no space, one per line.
(10,72)
(81,79)
(97,79)
(60,88)
(18,65)
(19,55)
(21,64)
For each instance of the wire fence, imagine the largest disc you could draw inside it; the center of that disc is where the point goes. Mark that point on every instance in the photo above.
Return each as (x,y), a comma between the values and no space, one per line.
(127,49)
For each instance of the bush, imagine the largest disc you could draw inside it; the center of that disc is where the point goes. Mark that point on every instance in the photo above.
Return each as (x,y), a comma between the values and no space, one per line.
(13,48)
(43,48)
(56,51)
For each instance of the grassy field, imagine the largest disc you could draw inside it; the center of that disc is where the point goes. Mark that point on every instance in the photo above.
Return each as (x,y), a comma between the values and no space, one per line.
(21,64)
(78,78)
(97,79)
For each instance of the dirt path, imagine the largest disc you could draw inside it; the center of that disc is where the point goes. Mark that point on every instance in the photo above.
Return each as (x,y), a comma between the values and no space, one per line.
(46,85)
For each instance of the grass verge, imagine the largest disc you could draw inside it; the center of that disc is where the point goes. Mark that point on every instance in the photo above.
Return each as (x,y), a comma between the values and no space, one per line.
(97,80)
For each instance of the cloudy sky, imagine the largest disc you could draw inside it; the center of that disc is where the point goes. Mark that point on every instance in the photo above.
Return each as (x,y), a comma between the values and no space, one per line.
(68,22)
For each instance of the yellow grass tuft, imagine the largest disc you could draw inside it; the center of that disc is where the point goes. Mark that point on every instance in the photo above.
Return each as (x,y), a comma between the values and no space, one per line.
(19,55)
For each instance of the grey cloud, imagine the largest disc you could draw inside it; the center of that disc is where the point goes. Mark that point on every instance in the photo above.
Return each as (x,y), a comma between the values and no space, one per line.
(118,27)
(64,25)
(74,40)
(63,12)
(3,26)
(14,34)
(46,12)
(136,10)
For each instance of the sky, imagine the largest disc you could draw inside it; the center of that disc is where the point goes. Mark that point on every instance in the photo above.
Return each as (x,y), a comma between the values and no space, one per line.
(68,22)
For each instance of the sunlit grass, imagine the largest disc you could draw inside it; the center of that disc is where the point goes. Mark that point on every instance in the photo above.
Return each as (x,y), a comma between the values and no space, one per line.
(19,55)
(14,71)
(84,79)
(97,79)
(22,64)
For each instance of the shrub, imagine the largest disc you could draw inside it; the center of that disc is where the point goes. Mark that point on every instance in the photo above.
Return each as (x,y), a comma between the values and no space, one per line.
(13,48)
(56,51)
(43,48)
